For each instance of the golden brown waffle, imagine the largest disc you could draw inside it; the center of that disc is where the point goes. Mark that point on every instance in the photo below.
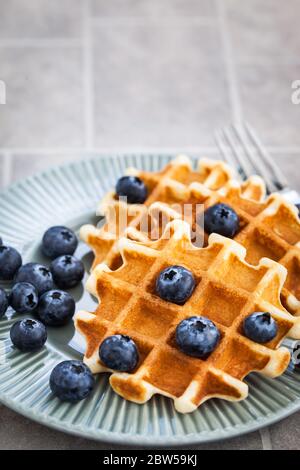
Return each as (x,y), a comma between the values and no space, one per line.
(227,290)
(170,184)
(270,227)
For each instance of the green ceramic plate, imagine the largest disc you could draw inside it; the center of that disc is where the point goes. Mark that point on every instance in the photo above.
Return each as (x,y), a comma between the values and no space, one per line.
(68,195)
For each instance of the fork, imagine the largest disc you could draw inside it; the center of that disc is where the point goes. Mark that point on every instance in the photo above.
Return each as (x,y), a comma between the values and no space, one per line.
(242,149)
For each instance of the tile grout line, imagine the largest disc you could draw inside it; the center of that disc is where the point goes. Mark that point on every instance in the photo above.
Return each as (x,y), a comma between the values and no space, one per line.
(7,169)
(234,96)
(88,81)
(266,438)
(65,42)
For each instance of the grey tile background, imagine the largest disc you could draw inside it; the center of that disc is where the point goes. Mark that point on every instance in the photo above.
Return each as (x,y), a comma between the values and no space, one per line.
(266,84)
(154,9)
(143,74)
(45,102)
(85,76)
(264,29)
(41,19)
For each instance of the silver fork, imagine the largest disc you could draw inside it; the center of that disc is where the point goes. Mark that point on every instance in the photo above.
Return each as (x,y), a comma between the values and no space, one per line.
(242,149)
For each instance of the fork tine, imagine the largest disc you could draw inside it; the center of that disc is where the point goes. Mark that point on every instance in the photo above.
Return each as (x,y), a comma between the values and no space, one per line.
(278,178)
(243,162)
(227,155)
(257,164)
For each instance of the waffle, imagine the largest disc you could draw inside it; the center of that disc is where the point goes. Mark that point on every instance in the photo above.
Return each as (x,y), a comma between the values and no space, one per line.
(227,290)
(170,184)
(269,227)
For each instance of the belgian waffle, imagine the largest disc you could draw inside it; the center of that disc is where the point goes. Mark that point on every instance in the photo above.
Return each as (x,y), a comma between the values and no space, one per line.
(228,289)
(269,227)
(170,184)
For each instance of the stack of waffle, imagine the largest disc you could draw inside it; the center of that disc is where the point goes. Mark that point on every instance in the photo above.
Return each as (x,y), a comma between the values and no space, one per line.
(258,270)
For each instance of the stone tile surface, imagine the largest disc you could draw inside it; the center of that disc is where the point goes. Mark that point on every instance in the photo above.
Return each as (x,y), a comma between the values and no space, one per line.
(155,8)
(157,85)
(41,19)
(266,29)
(44,104)
(289,163)
(266,92)
(286,434)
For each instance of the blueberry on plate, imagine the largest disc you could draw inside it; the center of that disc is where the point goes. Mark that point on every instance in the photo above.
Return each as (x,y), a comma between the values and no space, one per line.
(28,335)
(71,381)
(119,352)
(67,271)
(260,327)
(221,219)
(24,297)
(295,358)
(59,241)
(197,336)
(10,261)
(175,284)
(3,302)
(36,274)
(133,188)
(56,308)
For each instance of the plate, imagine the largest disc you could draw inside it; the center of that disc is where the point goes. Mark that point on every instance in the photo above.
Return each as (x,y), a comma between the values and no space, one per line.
(68,195)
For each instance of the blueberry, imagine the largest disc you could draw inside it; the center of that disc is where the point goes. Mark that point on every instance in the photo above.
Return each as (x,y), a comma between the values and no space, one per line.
(71,381)
(10,261)
(119,352)
(295,359)
(175,284)
(36,274)
(298,207)
(59,241)
(133,188)
(221,219)
(28,335)
(24,297)
(197,336)
(260,327)
(1,241)
(67,271)
(56,308)
(3,302)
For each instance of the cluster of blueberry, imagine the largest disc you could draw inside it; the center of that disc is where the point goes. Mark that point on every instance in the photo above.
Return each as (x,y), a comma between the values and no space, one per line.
(34,292)
(33,287)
